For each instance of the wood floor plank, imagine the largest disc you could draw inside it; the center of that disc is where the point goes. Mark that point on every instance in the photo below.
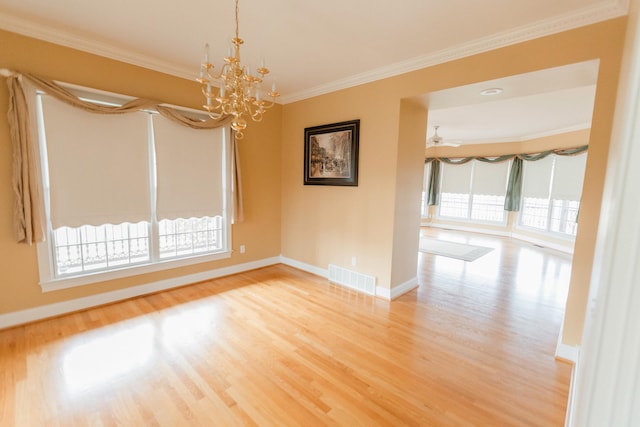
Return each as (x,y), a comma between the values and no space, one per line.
(472,346)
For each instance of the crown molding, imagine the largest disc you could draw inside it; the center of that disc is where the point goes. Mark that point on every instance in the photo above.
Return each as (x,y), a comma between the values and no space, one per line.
(67,39)
(587,16)
(609,10)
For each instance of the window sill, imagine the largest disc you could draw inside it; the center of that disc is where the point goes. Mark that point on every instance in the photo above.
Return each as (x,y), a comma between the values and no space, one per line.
(56,284)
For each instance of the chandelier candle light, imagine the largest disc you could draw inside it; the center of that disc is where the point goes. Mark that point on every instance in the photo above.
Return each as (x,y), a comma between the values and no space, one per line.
(234,90)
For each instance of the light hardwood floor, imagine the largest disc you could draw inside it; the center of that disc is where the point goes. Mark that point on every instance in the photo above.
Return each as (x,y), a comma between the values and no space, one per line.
(472,346)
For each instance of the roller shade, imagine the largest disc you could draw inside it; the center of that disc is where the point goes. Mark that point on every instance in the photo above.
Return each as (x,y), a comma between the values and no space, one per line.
(490,178)
(537,178)
(568,176)
(98,166)
(189,168)
(456,178)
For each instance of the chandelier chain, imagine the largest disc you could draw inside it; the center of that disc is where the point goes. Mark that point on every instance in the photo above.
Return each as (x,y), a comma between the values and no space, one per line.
(233,89)
(237,22)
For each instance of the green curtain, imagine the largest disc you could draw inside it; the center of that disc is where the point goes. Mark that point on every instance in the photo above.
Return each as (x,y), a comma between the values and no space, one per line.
(514,187)
(433,191)
(498,159)
(505,157)
(564,152)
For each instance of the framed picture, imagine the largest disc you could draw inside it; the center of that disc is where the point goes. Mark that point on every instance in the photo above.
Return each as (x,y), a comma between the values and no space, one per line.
(331,154)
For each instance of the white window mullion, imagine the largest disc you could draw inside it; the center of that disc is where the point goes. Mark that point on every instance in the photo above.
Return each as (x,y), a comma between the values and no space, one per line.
(227,196)
(470,205)
(549,198)
(154,230)
(563,216)
(46,249)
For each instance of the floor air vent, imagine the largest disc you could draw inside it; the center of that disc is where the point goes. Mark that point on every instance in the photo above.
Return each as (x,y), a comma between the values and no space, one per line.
(352,279)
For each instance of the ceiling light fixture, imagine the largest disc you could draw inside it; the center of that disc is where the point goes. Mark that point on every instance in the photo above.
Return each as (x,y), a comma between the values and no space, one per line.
(491,91)
(234,90)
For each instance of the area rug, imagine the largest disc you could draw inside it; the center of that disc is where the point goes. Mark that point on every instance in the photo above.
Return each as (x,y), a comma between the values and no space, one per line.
(452,249)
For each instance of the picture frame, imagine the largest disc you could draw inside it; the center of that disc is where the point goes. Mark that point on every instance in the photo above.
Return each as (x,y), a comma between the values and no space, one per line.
(331,154)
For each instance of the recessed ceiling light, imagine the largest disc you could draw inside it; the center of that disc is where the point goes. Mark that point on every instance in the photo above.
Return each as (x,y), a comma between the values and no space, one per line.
(491,91)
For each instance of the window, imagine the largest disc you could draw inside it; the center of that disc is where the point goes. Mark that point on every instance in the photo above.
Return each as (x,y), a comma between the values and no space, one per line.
(129,190)
(90,248)
(489,186)
(454,205)
(182,237)
(487,208)
(535,212)
(474,191)
(551,191)
(564,216)
(455,190)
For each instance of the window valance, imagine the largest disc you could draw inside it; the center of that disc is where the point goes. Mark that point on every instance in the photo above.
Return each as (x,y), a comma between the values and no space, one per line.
(29,219)
(505,157)
(514,183)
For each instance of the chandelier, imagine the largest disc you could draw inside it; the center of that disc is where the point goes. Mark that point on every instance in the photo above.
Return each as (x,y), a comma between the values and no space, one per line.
(233,90)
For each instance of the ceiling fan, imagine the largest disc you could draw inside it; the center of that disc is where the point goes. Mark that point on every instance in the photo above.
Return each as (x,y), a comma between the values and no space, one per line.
(437,141)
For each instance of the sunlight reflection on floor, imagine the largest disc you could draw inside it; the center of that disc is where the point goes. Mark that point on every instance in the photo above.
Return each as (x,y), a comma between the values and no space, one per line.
(187,328)
(99,361)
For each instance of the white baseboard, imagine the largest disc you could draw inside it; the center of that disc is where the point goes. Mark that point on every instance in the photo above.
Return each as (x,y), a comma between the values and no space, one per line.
(568,353)
(51,310)
(305,267)
(543,243)
(384,293)
(396,291)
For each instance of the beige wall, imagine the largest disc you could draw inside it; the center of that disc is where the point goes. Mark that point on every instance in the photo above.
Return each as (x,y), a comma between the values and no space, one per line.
(409,178)
(260,156)
(329,225)
(323,225)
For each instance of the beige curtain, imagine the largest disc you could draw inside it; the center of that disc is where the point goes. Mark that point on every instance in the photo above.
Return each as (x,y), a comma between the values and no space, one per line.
(238,208)
(29,220)
(28,215)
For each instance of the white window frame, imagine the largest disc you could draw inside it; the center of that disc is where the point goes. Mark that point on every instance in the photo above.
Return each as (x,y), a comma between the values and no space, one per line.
(46,268)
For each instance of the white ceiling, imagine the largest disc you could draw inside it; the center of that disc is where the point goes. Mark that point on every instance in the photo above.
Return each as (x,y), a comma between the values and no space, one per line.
(311,47)
(530,105)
